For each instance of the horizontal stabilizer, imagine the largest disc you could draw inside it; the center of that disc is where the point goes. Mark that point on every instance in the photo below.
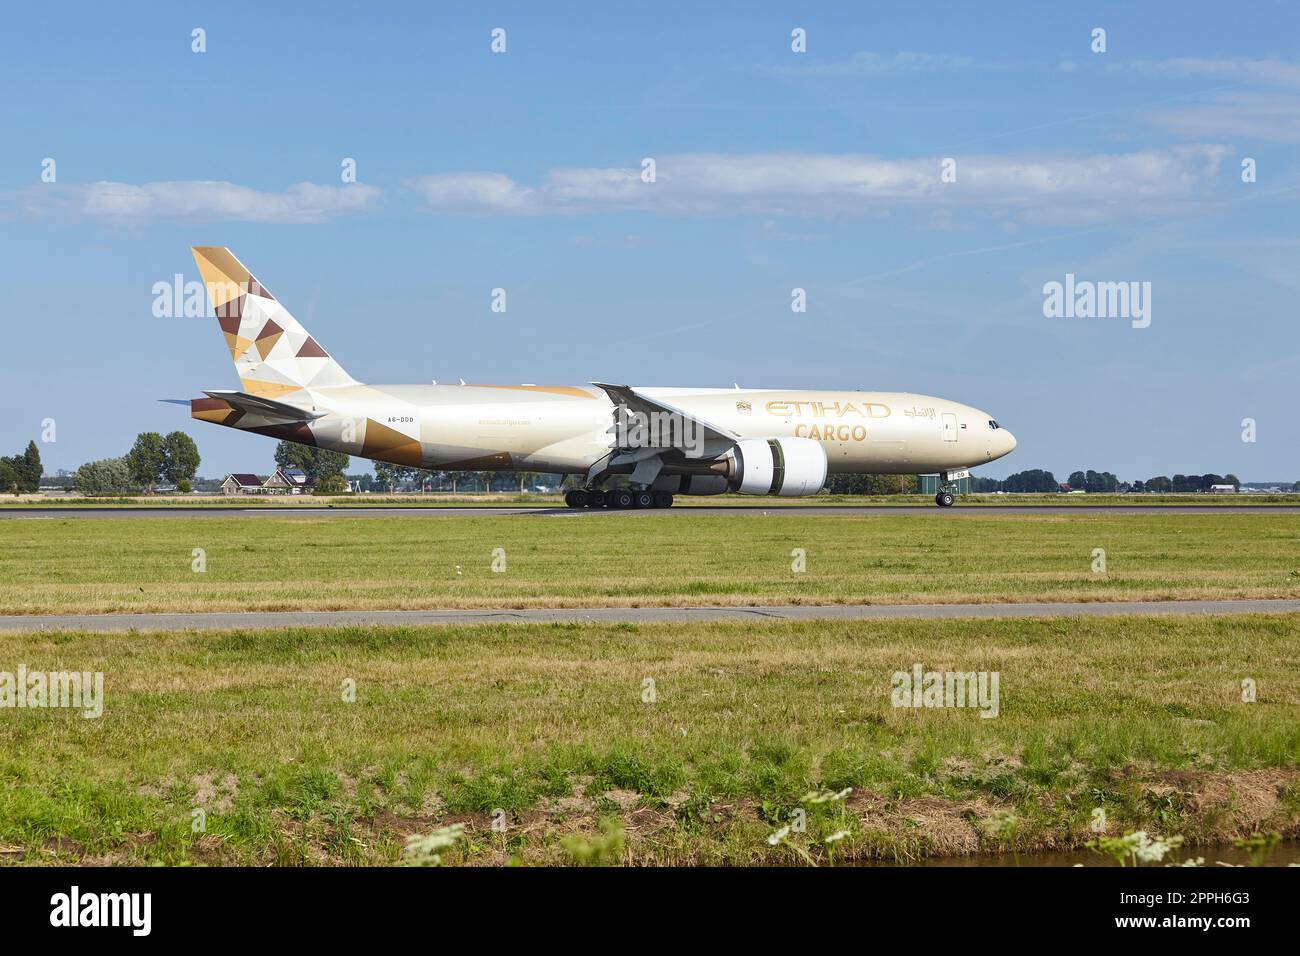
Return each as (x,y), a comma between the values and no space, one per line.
(265,407)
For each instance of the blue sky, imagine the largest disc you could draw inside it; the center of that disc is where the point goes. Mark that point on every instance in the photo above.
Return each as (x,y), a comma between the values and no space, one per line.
(775,170)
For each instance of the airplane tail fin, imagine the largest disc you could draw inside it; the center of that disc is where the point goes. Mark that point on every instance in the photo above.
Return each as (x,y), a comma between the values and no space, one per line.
(274,355)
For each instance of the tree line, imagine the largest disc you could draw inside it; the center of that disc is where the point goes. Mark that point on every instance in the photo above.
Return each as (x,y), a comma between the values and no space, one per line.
(21,474)
(152,460)
(389,477)
(871,484)
(325,470)
(1100,482)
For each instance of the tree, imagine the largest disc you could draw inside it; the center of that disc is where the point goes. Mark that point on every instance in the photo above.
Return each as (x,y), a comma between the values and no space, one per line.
(1160,484)
(1034,480)
(146,459)
(29,473)
(181,458)
(8,476)
(844,484)
(332,484)
(891,484)
(402,475)
(1096,482)
(386,475)
(103,477)
(1078,481)
(315,463)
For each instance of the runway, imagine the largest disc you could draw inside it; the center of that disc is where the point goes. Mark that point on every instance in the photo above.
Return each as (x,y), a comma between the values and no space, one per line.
(746,510)
(231,620)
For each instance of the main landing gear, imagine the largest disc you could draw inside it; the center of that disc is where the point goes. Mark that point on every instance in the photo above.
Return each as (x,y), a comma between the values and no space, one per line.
(944,499)
(617,498)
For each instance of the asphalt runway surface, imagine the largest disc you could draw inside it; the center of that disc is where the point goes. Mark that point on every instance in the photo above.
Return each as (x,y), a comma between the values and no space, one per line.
(230,620)
(750,511)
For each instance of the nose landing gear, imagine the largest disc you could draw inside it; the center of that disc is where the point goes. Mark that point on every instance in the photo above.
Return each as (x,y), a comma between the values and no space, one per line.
(948,487)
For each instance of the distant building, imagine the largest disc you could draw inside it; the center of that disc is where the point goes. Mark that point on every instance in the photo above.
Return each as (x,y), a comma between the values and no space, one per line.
(1223,489)
(241,484)
(287,481)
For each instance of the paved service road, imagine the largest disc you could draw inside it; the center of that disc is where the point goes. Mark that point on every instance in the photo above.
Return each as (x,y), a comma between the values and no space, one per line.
(227,620)
(744,511)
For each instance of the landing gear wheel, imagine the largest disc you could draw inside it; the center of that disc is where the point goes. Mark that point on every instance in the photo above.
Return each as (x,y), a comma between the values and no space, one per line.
(595,498)
(663,499)
(944,499)
(619,499)
(576,498)
(643,499)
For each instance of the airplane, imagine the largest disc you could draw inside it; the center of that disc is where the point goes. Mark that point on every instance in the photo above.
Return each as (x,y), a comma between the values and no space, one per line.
(665,441)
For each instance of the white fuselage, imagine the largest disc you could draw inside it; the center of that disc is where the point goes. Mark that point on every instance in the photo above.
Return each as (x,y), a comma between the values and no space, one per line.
(568,428)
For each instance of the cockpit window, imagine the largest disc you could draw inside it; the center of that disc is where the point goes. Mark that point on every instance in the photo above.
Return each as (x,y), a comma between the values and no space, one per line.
(993,424)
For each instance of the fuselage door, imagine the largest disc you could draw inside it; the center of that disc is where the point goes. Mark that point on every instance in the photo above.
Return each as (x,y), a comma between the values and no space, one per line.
(949,426)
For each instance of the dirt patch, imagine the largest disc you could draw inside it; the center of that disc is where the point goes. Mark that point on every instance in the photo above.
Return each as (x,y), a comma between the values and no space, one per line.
(624,799)
(930,826)
(59,846)
(212,794)
(646,821)
(567,806)
(1240,803)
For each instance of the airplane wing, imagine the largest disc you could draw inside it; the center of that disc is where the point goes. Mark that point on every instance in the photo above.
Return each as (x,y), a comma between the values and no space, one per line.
(637,402)
(264,407)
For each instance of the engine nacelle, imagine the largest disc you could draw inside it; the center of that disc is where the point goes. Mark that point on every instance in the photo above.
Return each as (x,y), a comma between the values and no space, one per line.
(690,484)
(789,467)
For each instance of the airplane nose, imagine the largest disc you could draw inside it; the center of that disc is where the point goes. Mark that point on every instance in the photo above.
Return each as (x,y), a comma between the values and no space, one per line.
(1009,440)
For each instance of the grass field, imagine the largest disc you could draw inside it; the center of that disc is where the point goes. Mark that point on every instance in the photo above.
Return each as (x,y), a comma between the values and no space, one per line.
(276,563)
(1141,717)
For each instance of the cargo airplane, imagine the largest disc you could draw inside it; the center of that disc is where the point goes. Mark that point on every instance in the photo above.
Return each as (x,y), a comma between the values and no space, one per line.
(631,447)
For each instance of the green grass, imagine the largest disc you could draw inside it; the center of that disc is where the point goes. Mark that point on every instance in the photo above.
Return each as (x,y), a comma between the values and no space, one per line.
(1140,716)
(304,562)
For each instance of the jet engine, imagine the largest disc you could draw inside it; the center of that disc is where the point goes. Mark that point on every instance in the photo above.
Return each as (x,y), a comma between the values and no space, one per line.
(789,467)
(691,484)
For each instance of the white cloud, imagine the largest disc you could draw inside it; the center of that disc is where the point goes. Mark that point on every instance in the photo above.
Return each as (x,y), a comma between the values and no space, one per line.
(867,62)
(1044,187)
(487,190)
(197,201)
(1271,117)
(1267,71)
